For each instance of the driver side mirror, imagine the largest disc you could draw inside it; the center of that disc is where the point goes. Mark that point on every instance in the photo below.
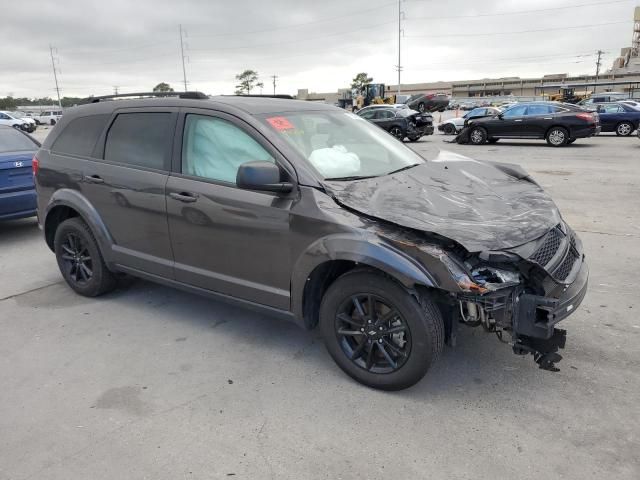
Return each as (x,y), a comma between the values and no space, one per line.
(262,176)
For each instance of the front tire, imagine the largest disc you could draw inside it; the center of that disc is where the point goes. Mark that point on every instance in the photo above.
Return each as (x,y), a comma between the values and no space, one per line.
(378,333)
(624,129)
(449,129)
(478,136)
(557,137)
(80,260)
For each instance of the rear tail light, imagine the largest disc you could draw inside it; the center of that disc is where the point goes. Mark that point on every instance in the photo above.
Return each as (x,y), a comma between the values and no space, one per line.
(35,165)
(586,116)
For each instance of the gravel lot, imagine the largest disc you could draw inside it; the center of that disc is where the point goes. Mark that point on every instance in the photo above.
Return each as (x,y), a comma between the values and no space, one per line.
(153,383)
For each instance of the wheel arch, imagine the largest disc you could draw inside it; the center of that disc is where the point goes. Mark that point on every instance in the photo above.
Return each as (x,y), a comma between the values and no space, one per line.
(328,258)
(66,203)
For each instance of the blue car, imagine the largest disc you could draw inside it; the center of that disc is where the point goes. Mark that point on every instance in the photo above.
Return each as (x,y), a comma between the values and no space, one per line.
(17,192)
(618,117)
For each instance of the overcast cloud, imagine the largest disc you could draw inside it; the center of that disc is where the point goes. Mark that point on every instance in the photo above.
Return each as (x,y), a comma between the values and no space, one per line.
(319,45)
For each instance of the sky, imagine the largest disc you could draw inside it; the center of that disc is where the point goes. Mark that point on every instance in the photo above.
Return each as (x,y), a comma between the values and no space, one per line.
(316,45)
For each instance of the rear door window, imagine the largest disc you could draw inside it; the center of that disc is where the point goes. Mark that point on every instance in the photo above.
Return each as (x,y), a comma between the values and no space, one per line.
(79,137)
(141,139)
(538,110)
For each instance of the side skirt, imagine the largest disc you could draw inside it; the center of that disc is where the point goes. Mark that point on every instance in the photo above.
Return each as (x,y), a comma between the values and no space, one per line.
(256,307)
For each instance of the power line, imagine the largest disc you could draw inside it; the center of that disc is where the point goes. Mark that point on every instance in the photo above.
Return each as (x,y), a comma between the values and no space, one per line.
(296,25)
(522,12)
(288,42)
(490,34)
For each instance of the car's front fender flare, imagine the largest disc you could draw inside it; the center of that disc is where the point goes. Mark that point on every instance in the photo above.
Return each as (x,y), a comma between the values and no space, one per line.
(364,250)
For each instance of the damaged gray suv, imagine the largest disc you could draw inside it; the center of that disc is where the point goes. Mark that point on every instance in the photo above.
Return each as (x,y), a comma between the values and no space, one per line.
(311,213)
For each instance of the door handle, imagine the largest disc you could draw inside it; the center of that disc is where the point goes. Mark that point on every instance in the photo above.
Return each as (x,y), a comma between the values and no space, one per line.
(185,197)
(93,179)
(518,120)
(548,118)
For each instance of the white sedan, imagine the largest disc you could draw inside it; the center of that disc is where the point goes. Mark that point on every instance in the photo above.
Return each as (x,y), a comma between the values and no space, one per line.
(454,125)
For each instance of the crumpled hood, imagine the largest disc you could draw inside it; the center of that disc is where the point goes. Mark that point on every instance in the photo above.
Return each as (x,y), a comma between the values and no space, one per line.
(471,202)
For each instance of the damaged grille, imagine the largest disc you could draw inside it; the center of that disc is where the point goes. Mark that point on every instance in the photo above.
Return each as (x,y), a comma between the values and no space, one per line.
(545,253)
(564,269)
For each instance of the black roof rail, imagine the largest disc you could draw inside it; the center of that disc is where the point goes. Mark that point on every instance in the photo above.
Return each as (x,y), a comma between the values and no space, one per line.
(258,95)
(190,95)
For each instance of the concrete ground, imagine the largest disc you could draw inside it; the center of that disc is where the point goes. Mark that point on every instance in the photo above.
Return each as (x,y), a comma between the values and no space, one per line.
(152,383)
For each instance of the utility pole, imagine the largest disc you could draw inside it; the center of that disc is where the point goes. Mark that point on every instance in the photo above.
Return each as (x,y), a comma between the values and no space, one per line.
(115,89)
(595,87)
(184,70)
(274,77)
(399,66)
(55,75)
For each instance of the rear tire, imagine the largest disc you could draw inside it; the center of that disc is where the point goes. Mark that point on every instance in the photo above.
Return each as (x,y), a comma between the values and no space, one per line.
(478,136)
(53,122)
(624,129)
(80,260)
(390,349)
(397,132)
(557,137)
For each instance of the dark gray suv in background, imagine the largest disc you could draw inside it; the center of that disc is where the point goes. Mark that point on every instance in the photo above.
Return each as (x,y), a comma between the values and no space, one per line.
(314,214)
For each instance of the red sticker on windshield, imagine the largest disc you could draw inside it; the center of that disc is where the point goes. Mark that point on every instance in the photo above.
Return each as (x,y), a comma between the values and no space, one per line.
(280,123)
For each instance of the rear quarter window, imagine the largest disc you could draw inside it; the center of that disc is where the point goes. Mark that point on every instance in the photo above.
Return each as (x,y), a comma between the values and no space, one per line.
(140,139)
(80,135)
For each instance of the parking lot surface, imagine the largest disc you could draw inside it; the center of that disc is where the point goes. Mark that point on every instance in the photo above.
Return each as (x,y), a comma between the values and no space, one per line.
(149,382)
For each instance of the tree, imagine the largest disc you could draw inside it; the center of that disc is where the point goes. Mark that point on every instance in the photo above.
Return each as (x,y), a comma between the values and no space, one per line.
(163,87)
(248,80)
(360,81)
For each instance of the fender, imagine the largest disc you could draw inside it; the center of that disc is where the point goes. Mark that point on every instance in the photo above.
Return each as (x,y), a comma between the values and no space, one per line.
(368,250)
(78,202)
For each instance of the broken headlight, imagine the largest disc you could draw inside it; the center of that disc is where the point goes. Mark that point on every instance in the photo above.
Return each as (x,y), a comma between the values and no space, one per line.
(493,278)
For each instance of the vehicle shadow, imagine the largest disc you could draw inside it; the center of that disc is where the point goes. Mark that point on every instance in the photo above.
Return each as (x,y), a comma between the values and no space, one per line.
(17,230)
(478,362)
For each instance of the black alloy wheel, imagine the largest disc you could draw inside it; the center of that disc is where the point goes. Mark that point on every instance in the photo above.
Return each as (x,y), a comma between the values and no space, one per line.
(372,333)
(377,332)
(396,132)
(421,107)
(76,259)
(80,260)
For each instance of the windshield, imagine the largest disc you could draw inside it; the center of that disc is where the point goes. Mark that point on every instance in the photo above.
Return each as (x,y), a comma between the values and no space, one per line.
(18,114)
(341,145)
(13,141)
